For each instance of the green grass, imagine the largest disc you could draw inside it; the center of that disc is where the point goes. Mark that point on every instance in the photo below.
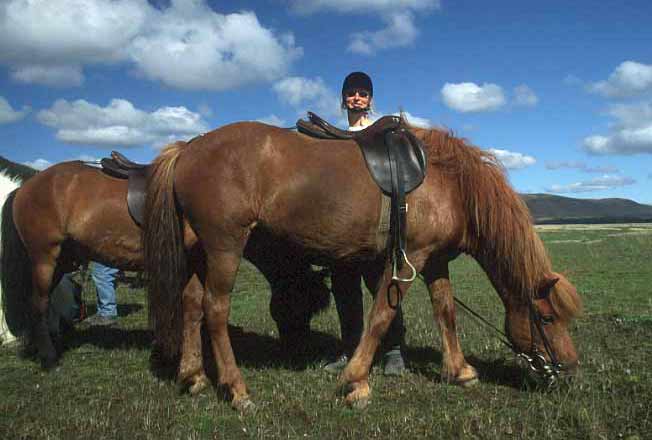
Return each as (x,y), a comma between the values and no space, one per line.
(105,386)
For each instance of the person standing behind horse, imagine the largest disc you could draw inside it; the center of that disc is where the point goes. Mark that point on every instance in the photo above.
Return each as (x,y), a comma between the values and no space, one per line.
(357,97)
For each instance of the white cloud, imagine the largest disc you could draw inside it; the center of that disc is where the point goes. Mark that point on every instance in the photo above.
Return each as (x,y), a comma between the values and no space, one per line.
(51,75)
(512,160)
(470,97)
(416,120)
(41,164)
(272,120)
(185,45)
(362,6)
(8,114)
(602,183)
(581,166)
(189,46)
(630,134)
(308,94)
(119,123)
(87,158)
(637,115)
(399,31)
(629,79)
(524,96)
(38,164)
(398,16)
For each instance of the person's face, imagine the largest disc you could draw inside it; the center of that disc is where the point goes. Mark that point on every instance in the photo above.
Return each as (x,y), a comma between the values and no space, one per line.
(357,99)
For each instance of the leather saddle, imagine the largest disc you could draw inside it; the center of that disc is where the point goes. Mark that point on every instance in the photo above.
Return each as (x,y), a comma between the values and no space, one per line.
(387,136)
(396,161)
(119,166)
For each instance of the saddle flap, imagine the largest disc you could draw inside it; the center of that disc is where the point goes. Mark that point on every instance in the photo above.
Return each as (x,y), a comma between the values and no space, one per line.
(136,174)
(404,148)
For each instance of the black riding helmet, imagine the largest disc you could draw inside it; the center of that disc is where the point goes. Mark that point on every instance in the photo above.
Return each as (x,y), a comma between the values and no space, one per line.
(358,80)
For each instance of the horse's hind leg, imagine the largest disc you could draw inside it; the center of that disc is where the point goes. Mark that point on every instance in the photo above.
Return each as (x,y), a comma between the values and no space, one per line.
(42,275)
(191,366)
(454,369)
(222,268)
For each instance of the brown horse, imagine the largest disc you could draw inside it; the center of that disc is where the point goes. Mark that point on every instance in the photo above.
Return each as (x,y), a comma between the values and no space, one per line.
(72,213)
(317,194)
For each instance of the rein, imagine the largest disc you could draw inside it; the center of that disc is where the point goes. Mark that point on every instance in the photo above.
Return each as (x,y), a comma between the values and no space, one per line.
(536,361)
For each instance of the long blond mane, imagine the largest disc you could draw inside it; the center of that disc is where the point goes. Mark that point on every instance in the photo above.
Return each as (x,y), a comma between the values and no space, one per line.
(499,232)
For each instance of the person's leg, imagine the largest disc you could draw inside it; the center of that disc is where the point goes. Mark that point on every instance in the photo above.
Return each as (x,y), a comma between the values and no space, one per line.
(345,285)
(104,279)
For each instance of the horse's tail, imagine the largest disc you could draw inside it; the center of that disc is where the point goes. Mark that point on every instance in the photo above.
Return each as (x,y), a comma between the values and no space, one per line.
(164,252)
(15,273)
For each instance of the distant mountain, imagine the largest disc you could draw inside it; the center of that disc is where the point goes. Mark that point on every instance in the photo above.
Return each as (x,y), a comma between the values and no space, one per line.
(547,208)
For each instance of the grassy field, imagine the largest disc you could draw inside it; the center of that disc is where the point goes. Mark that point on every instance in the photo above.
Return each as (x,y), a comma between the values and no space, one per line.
(105,386)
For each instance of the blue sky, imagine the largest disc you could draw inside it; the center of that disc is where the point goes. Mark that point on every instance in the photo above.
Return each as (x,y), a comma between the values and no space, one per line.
(560,91)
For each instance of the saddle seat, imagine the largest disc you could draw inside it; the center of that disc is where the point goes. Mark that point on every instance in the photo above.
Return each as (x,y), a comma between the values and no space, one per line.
(136,174)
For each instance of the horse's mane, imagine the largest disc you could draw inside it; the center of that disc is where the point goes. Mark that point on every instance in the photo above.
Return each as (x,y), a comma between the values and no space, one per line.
(499,233)
(15,170)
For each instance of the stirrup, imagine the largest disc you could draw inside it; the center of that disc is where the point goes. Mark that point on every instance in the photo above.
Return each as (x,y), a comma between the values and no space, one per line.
(395,276)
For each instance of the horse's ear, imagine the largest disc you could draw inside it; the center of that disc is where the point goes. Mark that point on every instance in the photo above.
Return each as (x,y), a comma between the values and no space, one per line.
(546,286)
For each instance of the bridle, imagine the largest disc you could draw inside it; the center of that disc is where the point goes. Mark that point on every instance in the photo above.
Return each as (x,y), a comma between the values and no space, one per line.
(548,370)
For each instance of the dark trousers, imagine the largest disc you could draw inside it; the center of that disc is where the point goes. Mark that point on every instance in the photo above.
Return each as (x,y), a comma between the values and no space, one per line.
(348,300)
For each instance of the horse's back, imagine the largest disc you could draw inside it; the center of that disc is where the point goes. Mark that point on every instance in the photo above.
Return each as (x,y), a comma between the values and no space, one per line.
(315,192)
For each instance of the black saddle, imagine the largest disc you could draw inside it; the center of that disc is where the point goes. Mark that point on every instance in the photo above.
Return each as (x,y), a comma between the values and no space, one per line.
(387,136)
(396,161)
(119,166)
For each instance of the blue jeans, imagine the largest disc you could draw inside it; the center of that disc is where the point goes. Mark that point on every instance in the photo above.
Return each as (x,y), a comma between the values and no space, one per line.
(104,279)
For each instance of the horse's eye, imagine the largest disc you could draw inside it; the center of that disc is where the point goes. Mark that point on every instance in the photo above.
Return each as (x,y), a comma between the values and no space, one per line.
(547,319)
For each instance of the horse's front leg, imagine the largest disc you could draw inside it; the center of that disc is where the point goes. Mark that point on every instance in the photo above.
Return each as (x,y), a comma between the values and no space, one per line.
(354,380)
(191,366)
(454,369)
(221,271)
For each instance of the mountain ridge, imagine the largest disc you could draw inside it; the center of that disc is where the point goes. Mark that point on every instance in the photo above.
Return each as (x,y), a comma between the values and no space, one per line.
(549,208)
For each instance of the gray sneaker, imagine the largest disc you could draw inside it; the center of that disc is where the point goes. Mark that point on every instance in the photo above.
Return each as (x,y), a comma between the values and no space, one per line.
(101,321)
(394,364)
(337,365)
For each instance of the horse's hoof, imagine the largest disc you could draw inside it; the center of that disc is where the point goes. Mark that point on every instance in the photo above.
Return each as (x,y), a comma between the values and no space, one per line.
(243,405)
(359,396)
(199,385)
(467,377)
(49,363)
(468,383)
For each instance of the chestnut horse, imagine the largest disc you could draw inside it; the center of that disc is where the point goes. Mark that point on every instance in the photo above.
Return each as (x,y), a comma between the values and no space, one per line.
(72,213)
(318,195)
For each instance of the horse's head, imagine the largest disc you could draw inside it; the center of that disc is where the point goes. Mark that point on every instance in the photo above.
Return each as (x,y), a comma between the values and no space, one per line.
(538,328)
